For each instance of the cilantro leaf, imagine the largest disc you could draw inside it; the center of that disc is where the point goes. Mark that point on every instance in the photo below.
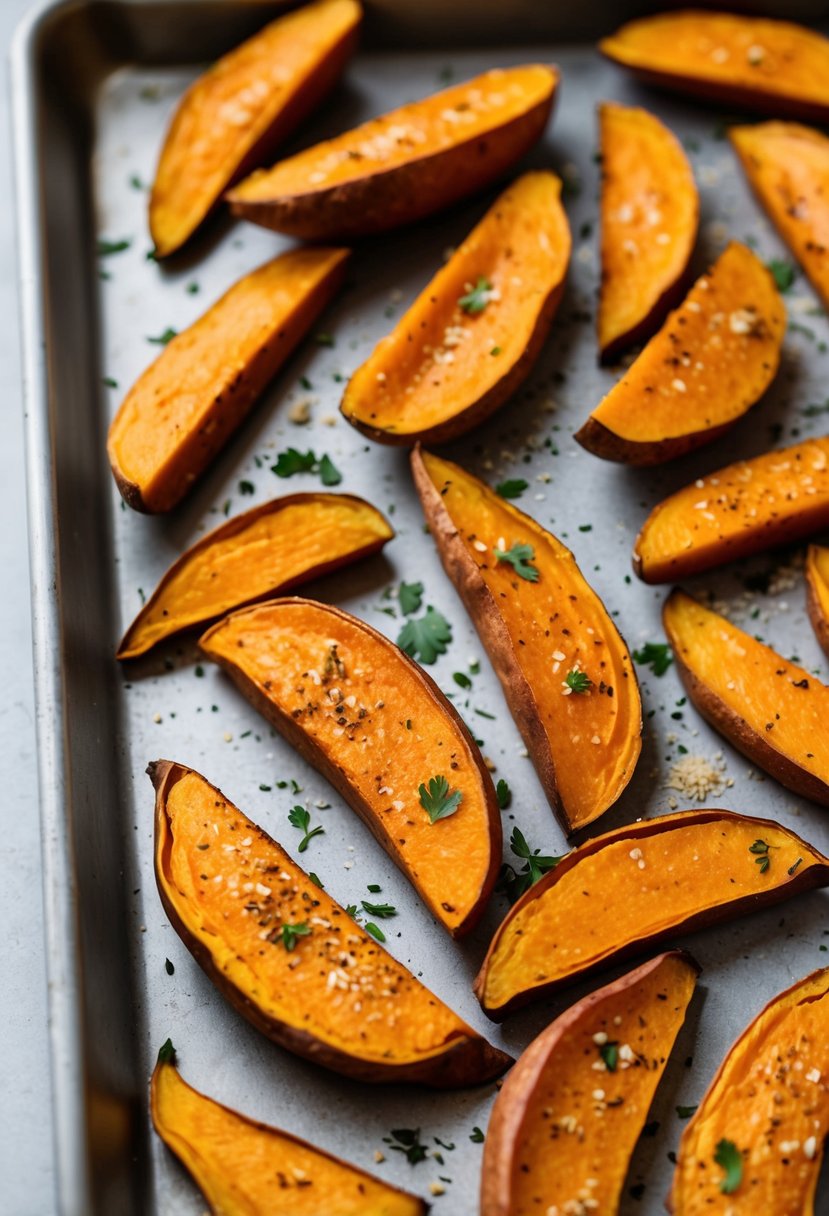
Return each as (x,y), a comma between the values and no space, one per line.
(503,793)
(410,596)
(512,488)
(425,637)
(330,475)
(729,1157)
(656,655)
(578,681)
(519,557)
(166,1052)
(289,935)
(477,298)
(783,274)
(292,461)
(106,248)
(515,882)
(438,801)
(299,818)
(383,911)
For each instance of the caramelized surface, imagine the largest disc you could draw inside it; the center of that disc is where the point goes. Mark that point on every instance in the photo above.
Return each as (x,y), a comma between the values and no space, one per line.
(817,592)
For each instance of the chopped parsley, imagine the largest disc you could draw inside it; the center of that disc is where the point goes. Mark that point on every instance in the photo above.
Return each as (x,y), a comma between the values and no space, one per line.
(105,248)
(410,596)
(425,637)
(515,882)
(477,298)
(476,1136)
(783,274)
(406,1140)
(519,557)
(438,800)
(656,655)
(503,793)
(578,681)
(163,338)
(289,935)
(299,818)
(729,1158)
(292,461)
(513,488)
(166,1052)
(609,1053)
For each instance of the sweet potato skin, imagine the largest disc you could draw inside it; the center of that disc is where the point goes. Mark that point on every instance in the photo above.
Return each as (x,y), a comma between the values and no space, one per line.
(815,874)
(512,1148)
(313,44)
(144,632)
(646,179)
(758,64)
(736,1105)
(439,897)
(724,717)
(469,1060)
(233,1160)
(729,330)
(817,593)
(490,623)
(167,431)
(773,499)
(389,197)
(403,393)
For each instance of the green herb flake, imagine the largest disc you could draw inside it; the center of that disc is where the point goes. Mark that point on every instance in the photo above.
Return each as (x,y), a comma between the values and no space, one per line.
(515,882)
(168,967)
(406,1140)
(461,679)
(292,461)
(299,818)
(410,597)
(438,800)
(496,350)
(783,274)
(167,1052)
(316,880)
(503,793)
(476,1136)
(289,935)
(109,382)
(382,911)
(106,248)
(476,298)
(425,637)
(513,488)
(793,869)
(377,934)
(247,487)
(762,855)
(685,1112)
(656,655)
(373,887)
(330,475)
(730,1159)
(609,1053)
(578,681)
(163,338)
(519,557)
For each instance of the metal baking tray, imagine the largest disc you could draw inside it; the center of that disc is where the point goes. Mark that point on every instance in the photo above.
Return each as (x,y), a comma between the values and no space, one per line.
(94,83)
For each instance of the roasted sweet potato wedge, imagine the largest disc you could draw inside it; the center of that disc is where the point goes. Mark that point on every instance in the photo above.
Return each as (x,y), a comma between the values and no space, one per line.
(246,1168)
(787,167)
(255,555)
(564,668)
(817,592)
(290,959)
(406,164)
(624,892)
(771,710)
(747,507)
(757,1139)
(566,1120)
(650,215)
(750,62)
(473,334)
(375,724)
(178,415)
(235,116)
(711,361)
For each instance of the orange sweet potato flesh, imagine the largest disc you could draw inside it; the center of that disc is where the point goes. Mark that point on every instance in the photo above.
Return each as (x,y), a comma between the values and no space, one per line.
(254,556)
(235,115)
(747,507)
(711,361)
(444,369)
(787,167)
(817,592)
(246,1168)
(584,745)
(775,67)
(406,164)
(562,1131)
(179,414)
(771,710)
(333,995)
(770,1098)
(375,724)
(650,215)
(632,888)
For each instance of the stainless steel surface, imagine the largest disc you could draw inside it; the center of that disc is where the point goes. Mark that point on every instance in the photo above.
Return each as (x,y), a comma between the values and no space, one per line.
(92,96)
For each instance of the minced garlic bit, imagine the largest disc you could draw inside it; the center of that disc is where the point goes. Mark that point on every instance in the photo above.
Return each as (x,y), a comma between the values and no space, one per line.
(437,1188)
(696,777)
(300,412)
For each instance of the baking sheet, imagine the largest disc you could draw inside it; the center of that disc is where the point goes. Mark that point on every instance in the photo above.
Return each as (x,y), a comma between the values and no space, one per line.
(179,708)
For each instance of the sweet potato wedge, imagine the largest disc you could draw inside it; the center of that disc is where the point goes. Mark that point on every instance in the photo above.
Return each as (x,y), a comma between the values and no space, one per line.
(258,554)
(178,415)
(375,724)
(711,361)
(630,889)
(246,1168)
(769,1105)
(649,217)
(771,710)
(235,116)
(406,164)
(747,507)
(566,1120)
(473,334)
(753,63)
(565,670)
(289,958)
(817,592)
(787,167)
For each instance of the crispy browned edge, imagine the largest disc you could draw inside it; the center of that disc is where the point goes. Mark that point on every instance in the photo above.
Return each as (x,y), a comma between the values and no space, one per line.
(231,528)
(315,301)
(802,880)
(308,95)
(777,105)
(489,622)
(817,617)
(303,743)
(263,1127)
(779,996)
(595,437)
(390,198)
(506,1119)
(471,1060)
(738,732)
